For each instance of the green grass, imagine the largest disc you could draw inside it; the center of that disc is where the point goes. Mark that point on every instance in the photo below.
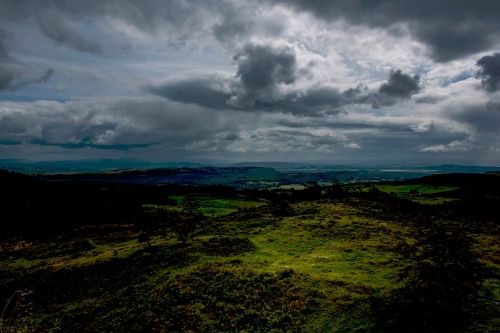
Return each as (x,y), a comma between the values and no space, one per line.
(216,207)
(419,193)
(101,252)
(342,269)
(178,198)
(211,206)
(420,189)
(335,250)
(292,244)
(422,194)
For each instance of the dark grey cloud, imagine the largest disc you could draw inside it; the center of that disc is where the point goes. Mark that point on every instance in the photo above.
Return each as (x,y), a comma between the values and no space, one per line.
(449,40)
(179,21)
(227,20)
(400,85)
(451,28)
(290,82)
(489,72)
(206,92)
(329,100)
(261,68)
(321,97)
(45,76)
(143,14)
(6,78)
(429,99)
(232,27)
(256,87)
(15,74)
(237,23)
(317,101)
(63,33)
(7,74)
(482,139)
(11,78)
(125,123)
(160,127)
(483,118)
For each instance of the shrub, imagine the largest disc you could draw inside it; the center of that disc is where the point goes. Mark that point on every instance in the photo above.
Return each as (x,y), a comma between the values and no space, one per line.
(440,290)
(225,246)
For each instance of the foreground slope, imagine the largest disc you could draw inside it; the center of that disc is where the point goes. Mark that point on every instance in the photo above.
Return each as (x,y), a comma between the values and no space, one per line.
(123,257)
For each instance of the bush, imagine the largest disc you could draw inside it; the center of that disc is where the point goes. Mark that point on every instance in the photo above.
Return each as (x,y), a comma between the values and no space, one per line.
(225,246)
(440,290)
(214,299)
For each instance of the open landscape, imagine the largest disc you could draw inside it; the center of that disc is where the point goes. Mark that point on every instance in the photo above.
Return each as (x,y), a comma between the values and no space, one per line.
(250,166)
(405,256)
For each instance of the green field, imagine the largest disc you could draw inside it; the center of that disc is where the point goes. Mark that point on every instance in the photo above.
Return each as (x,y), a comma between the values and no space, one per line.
(417,189)
(214,206)
(420,193)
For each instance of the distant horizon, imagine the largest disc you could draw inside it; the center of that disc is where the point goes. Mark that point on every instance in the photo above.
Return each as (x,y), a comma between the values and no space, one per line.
(145,164)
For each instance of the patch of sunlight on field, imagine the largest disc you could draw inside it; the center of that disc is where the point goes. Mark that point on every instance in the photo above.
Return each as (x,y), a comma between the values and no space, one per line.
(420,189)
(329,261)
(291,246)
(212,206)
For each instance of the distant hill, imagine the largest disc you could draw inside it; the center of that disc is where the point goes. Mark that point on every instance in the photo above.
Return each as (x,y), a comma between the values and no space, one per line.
(241,175)
(88,165)
(475,180)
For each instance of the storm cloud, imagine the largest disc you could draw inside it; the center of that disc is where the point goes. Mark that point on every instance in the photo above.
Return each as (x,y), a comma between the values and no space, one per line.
(204,91)
(63,33)
(261,69)
(210,93)
(400,85)
(481,117)
(6,72)
(104,123)
(450,28)
(262,73)
(323,80)
(489,72)
(15,74)
(180,21)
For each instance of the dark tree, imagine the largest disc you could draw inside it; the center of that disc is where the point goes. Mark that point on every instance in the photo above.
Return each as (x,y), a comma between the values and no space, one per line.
(334,191)
(185,225)
(281,207)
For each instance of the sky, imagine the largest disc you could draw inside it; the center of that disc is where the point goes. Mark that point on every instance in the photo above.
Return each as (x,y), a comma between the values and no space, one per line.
(339,81)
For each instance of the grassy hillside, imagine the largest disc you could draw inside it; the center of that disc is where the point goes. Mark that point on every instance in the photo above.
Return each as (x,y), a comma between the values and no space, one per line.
(331,259)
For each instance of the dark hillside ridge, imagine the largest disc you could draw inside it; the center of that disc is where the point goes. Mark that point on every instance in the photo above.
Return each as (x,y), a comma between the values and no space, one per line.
(38,205)
(34,207)
(249,177)
(475,180)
